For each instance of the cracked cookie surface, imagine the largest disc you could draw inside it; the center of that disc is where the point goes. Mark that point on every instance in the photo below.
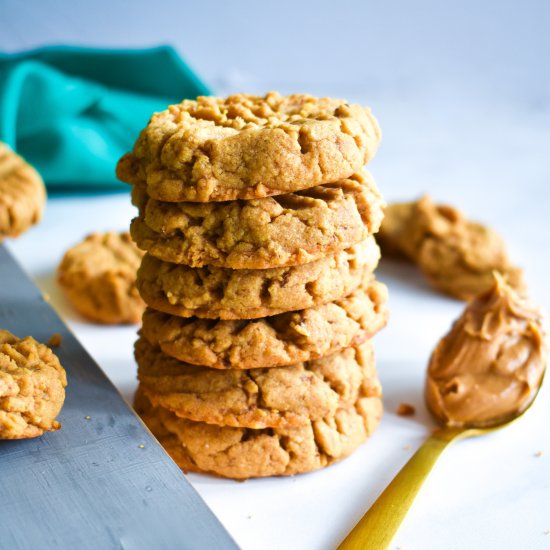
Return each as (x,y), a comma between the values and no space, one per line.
(246,147)
(222,293)
(257,398)
(99,278)
(242,453)
(32,387)
(271,341)
(22,194)
(285,230)
(456,255)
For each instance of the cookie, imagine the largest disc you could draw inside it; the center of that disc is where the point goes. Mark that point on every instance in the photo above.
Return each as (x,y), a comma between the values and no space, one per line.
(242,453)
(271,341)
(22,194)
(32,387)
(457,256)
(221,293)
(99,278)
(247,147)
(285,230)
(257,398)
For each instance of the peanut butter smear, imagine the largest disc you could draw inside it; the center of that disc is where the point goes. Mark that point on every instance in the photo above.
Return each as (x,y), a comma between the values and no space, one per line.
(456,255)
(489,367)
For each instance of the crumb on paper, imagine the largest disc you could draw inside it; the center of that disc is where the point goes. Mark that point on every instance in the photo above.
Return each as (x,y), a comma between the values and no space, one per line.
(87,417)
(547,532)
(141,446)
(406,447)
(405,409)
(249,516)
(46,297)
(538,454)
(55,340)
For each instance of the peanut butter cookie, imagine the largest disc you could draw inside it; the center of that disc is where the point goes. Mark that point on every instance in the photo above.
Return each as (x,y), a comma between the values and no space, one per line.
(257,398)
(32,387)
(247,147)
(99,278)
(456,255)
(221,293)
(274,341)
(22,194)
(285,230)
(242,453)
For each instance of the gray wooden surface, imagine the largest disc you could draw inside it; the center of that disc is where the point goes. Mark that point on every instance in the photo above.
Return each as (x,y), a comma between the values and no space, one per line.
(102,481)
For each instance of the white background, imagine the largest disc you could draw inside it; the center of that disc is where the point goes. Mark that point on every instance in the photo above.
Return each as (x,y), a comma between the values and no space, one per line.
(462,92)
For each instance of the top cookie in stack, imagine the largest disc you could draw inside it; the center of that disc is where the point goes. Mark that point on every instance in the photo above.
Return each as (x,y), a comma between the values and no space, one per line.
(258,219)
(249,147)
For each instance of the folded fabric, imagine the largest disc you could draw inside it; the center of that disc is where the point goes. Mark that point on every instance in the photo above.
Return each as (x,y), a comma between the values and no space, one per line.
(73,112)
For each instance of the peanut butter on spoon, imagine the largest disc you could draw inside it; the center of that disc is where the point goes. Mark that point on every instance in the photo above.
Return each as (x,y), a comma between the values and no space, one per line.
(489,367)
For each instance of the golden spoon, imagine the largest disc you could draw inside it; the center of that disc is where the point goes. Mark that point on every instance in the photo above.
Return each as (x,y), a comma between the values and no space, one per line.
(484,374)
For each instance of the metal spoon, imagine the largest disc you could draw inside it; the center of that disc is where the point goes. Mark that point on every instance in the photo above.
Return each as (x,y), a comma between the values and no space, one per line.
(378,526)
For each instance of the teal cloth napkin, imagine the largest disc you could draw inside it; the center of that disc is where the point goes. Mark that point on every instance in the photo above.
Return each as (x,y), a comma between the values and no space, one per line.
(73,112)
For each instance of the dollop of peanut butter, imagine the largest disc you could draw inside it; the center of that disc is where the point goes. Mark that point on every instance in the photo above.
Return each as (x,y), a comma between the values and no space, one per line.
(489,367)
(457,256)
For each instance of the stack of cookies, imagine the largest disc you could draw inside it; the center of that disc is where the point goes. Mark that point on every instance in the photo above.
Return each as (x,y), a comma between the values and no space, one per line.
(255,358)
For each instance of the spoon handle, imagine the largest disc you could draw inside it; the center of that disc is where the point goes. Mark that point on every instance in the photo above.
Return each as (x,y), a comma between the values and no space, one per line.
(379,525)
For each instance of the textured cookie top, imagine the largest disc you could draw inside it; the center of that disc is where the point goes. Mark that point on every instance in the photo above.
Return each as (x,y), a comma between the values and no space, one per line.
(32,387)
(246,147)
(99,276)
(222,293)
(22,194)
(457,256)
(272,341)
(242,453)
(276,231)
(257,398)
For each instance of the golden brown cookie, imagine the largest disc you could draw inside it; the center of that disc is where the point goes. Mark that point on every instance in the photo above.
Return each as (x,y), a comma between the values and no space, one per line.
(257,398)
(285,230)
(32,387)
(242,453)
(22,194)
(456,255)
(274,341)
(222,293)
(99,277)
(247,147)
